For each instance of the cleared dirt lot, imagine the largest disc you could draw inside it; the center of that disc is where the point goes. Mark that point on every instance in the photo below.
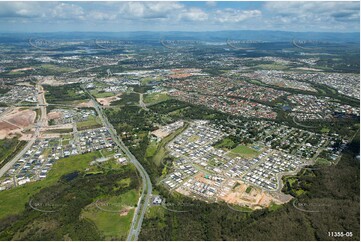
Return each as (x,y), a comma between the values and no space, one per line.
(107,100)
(22,69)
(253,198)
(237,193)
(88,104)
(54,115)
(50,80)
(15,121)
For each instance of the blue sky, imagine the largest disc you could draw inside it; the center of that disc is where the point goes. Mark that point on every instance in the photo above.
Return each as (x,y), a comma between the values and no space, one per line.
(179,16)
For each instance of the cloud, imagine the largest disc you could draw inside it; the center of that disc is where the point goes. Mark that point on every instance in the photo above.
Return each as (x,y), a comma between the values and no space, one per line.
(67,12)
(20,10)
(316,11)
(346,15)
(295,16)
(313,16)
(235,15)
(102,16)
(149,9)
(193,14)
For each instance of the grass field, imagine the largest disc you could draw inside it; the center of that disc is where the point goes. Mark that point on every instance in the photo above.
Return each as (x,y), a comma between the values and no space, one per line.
(274,66)
(113,224)
(226,144)
(193,138)
(92,122)
(155,97)
(52,131)
(325,130)
(321,161)
(244,151)
(127,99)
(151,149)
(107,153)
(146,80)
(16,198)
(97,94)
(273,207)
(55,69)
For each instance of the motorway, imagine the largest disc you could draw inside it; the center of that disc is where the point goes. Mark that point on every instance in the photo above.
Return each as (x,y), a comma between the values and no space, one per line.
(146,194)
(40,123)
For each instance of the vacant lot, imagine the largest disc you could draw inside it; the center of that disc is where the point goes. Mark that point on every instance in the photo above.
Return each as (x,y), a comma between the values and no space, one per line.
(91,123)
(113,215)
(106,101)
(244,151)
(225,144)
(127,99)
(155,97)
(49,69)
(15,121)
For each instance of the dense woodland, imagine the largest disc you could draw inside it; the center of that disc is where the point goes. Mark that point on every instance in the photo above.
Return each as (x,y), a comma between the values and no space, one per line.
(65,93)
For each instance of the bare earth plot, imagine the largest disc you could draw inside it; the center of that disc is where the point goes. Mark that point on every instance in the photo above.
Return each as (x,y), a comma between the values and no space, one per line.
(105,101)
(15,122)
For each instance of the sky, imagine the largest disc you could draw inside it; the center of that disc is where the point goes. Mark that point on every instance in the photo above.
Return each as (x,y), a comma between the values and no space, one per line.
(179,16)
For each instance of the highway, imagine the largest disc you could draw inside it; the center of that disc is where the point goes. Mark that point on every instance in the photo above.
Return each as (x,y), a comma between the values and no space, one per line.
(144,199)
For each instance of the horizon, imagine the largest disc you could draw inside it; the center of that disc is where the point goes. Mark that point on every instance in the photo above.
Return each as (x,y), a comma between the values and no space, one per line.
(181,31)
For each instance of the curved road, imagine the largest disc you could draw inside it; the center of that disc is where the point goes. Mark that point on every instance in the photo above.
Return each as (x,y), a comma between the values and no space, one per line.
(144,199)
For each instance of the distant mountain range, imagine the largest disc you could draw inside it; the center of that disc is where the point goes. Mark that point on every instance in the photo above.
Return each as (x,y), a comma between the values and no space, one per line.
(256,35)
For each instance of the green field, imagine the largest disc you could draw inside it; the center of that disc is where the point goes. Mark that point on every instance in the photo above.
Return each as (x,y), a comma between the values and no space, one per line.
(103,94)
(325,130)
(244,151)
(114,225)
(127,99)
(226,144)
(55,69)
(274,66)
(155,97)
(273,207)
(52,131)
(146,80)
(107,152)
(91,123)
(16,198)
(151,149)
(193,138)
(322,161)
